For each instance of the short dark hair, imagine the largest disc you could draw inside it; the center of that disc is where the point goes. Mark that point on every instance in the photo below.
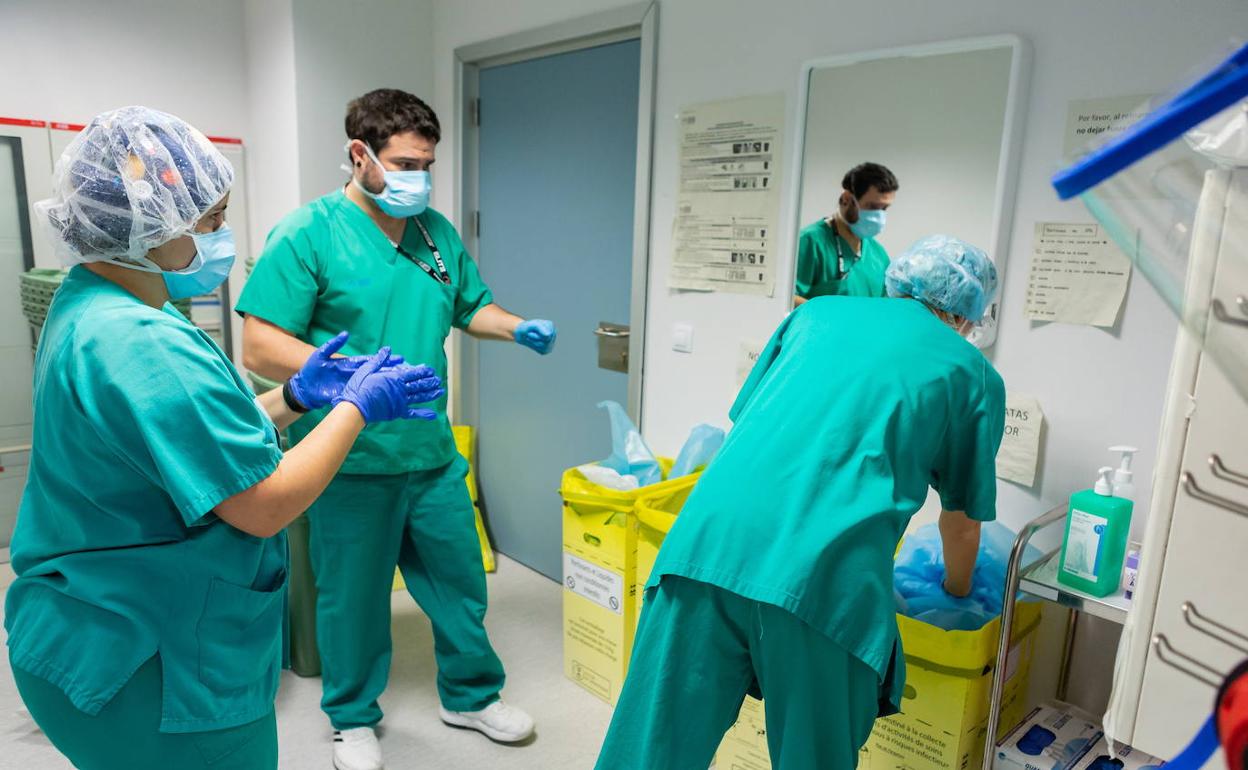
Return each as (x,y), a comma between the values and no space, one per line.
(378,115)
(861,178)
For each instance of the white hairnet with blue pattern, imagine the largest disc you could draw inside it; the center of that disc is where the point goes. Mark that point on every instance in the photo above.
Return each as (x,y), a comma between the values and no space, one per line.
(135,178)
(946,273)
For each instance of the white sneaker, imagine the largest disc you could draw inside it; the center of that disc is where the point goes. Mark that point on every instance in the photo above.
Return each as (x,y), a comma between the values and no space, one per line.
(498,721)
(357,749)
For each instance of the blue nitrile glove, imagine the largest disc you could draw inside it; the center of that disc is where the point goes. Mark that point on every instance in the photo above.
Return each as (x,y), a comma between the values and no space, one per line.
(323,375)
(537,335)
(383,394)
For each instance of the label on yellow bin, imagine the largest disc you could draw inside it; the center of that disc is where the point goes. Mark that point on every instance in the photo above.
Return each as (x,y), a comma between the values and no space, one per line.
(598,584)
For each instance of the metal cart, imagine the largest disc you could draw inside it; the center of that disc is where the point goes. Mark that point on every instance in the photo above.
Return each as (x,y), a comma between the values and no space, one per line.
(1039,580)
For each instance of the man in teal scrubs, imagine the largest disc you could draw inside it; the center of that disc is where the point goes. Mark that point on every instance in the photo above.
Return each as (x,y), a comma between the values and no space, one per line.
(373,258)
(776,578)
(839,255)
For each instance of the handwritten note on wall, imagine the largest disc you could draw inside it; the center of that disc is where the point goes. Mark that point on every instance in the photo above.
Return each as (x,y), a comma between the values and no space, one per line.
(1078,275)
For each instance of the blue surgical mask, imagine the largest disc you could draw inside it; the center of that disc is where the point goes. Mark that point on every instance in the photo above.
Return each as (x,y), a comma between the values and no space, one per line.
(870,223)
(406,193)
(214,256)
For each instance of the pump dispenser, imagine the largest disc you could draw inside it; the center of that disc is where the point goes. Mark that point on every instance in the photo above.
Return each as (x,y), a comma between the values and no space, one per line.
(1097,526)
(1124,485)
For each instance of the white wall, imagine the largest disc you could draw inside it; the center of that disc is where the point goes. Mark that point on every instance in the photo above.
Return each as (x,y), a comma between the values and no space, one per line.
(343,50)
(72,59)
(272,140)
(1097,387)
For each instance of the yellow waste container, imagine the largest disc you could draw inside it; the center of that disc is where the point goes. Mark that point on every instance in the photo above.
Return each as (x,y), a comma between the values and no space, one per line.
(599,579)
(944,710)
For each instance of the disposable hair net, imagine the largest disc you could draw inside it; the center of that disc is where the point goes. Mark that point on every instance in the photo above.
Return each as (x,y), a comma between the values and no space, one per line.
(133,179)
(946,273)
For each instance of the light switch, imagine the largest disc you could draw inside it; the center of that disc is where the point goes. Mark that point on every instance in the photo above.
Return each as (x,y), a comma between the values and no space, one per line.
(682,338)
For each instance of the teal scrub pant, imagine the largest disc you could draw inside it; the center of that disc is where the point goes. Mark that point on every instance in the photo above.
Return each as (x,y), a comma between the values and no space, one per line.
(425,522)
(125,734)
(700,649)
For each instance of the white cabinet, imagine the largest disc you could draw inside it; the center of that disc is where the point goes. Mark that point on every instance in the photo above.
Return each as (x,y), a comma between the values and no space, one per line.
(1197,531)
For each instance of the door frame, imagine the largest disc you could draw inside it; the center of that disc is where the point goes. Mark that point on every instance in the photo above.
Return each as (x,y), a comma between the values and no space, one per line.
(638,21)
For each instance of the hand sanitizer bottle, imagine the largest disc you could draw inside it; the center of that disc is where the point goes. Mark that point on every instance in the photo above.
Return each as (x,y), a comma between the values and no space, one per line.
(1097,527)
(1124,486)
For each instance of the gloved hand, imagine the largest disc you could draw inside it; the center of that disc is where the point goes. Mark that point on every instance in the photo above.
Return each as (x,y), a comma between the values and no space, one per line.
(323,376)
(383,394)
(537,335)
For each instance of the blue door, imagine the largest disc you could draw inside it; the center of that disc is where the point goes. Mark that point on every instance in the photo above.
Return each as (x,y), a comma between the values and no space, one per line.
(558,152)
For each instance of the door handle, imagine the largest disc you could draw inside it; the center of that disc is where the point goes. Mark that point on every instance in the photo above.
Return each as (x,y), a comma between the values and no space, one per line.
(1220,312)
(612,333)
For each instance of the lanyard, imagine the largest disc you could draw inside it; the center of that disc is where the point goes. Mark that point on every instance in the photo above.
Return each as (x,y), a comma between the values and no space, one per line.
(840,253)
(441,276)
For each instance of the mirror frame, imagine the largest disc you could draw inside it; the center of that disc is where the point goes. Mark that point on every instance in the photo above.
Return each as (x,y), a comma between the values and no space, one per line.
(1008,158)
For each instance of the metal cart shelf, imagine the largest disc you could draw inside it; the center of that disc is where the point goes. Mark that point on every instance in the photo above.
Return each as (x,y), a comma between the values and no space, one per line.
(1039,580)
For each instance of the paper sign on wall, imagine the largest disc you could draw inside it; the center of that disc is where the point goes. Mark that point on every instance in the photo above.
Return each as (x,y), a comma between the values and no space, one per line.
(1020,446)
(747,356)
(1078,275)
(728,200)
(1090,120)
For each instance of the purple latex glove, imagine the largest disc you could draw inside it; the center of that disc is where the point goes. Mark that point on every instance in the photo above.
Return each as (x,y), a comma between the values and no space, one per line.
(324,375)
(383,394)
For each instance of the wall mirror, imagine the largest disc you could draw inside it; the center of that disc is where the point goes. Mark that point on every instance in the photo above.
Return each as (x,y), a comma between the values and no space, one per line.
(944,119)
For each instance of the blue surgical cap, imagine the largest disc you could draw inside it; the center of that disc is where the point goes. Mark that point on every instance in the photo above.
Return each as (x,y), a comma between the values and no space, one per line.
(133,179)
(946,273)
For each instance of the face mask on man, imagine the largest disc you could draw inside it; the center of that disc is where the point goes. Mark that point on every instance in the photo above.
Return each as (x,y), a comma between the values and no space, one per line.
(869,225)
(406,193)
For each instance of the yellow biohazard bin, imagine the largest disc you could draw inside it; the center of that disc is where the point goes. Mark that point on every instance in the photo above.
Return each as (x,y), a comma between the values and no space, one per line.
(944,711)
(599,579)
(656,513)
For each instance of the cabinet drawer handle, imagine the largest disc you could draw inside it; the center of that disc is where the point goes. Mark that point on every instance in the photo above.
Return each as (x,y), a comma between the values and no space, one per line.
(1193,490)
(1219,470)
(1213,629)
(1193,668)
(1220,312)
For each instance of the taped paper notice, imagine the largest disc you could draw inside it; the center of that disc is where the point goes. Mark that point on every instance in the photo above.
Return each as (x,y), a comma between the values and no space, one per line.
(1020,446)
(724,234)
(1095,120)
(1078,275)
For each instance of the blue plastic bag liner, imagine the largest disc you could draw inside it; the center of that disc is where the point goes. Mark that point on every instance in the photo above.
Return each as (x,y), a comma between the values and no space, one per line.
(629,454)
(919,575)
(699,449)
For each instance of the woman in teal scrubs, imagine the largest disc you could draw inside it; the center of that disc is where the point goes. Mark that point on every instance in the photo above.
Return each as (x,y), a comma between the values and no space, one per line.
(776,578)
(144,627)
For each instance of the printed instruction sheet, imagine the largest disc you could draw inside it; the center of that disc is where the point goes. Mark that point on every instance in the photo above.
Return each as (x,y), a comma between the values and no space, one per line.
(1078,275)
(1020,446)
(1092,121)
(728,200)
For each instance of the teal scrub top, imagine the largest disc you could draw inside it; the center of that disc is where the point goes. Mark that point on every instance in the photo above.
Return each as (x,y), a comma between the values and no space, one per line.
(142,427)
(326,268)
(836,439)
(819,248)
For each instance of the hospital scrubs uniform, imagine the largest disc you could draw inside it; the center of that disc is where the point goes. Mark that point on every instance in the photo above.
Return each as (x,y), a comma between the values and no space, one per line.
(828,266)
(400,496)
(776,578)
(144,632)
